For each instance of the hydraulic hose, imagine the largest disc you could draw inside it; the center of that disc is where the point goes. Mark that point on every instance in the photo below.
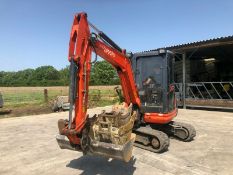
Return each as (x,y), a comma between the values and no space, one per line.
(72,88)
(104,37)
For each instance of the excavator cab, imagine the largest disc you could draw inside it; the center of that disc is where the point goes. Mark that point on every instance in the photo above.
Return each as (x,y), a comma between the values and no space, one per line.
(153,73)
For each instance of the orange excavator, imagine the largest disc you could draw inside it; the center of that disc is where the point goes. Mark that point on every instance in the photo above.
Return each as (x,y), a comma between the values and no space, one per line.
(145,119)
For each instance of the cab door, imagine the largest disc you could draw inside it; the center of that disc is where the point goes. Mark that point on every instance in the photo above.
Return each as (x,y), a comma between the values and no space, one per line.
(149,79)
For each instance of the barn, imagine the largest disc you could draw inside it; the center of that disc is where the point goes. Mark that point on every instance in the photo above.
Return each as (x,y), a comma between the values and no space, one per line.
(204,73)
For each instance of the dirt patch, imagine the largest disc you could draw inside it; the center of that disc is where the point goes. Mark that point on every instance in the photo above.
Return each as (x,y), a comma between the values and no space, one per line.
(27,110)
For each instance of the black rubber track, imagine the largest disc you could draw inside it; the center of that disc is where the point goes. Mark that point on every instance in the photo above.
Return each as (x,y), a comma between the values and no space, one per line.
(149,132)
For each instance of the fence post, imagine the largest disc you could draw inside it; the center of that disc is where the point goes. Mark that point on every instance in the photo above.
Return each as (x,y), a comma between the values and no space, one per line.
(46,95)
(99,96)
(1,101)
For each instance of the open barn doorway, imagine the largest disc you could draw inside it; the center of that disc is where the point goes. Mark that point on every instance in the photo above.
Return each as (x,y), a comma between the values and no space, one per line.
(204,73)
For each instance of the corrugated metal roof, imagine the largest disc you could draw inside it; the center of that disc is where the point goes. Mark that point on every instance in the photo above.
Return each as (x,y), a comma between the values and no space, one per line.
(197,43)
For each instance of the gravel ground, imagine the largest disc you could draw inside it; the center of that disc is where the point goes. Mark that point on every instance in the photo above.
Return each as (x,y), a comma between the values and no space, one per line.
(28,146)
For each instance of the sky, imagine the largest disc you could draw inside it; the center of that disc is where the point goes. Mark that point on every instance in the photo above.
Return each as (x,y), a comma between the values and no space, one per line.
(34,33)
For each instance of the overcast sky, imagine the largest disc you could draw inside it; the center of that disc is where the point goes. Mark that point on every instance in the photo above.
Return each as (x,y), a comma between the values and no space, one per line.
(36,32)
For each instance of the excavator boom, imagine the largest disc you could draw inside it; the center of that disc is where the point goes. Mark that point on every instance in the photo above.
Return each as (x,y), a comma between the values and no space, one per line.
(82,44)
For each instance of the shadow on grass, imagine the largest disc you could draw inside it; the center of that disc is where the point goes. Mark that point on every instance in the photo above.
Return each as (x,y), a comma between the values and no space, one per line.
(92,165)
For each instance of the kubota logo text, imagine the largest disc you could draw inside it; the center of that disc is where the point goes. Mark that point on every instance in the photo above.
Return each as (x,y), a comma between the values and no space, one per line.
(107,51)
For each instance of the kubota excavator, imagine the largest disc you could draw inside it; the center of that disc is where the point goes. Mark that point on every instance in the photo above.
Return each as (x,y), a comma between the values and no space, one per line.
(145,117)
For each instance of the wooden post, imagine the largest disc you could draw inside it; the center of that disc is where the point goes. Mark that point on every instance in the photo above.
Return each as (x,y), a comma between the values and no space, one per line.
(99,95)
(46,95)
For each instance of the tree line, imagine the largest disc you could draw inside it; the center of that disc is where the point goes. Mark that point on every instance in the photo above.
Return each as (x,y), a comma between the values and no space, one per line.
(102,73)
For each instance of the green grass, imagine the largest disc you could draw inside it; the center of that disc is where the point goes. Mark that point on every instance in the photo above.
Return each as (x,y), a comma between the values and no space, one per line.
(104,97)
(35,98)
(26,98)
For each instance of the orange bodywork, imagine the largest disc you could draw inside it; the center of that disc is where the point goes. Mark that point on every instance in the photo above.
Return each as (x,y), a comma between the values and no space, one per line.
(123,66)
(160,118)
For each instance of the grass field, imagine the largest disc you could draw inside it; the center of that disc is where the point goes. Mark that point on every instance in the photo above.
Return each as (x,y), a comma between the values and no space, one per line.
(25,99)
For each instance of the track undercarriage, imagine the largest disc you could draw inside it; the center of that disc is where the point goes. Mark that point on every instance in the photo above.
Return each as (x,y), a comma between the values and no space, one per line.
(155,137)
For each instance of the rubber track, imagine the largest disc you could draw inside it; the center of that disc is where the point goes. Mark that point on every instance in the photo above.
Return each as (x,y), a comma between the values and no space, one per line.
(162,137)
(191,130)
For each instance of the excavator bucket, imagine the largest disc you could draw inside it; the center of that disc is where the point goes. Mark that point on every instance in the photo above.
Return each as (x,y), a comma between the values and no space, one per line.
(108,134)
